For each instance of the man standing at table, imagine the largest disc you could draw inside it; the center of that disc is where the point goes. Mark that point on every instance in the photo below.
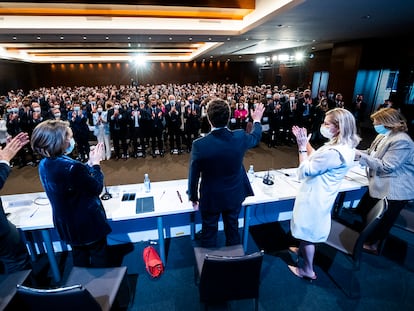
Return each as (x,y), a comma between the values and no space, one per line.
(13,254)
(218,159)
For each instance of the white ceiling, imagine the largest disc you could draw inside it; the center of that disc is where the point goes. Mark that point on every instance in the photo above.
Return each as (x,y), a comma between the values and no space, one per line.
(274,25)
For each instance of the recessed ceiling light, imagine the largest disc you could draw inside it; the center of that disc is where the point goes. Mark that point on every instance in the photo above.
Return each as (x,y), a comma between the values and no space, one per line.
(14,38)
(209,39)
(38,37)
(211,56)
(106,38)
(84,38)
(62,37)
(170,38)
(228,39)
(228,59)
(313,48)
(149,38)
(190,39)
(247,39)
(129,38)
(240,56)
(129,44)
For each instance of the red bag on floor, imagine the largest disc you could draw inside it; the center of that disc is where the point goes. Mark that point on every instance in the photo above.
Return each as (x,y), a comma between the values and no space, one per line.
(153,262)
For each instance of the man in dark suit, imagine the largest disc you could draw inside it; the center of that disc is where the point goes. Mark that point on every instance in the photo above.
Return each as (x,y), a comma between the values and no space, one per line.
(13,254)
(218,159)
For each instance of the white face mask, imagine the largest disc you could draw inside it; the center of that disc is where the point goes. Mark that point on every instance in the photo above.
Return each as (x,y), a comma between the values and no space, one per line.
(71,146)
(99,109)
(326,132)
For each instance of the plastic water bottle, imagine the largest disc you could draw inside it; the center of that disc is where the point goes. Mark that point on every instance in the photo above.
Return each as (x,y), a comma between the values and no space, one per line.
(147,183)
(250,173)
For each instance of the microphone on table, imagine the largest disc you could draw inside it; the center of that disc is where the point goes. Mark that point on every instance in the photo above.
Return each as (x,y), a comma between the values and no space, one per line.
(106,195)
(267,180)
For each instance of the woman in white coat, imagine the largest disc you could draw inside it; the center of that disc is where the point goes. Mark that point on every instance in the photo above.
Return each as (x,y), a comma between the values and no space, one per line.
(321,172)
(101,130)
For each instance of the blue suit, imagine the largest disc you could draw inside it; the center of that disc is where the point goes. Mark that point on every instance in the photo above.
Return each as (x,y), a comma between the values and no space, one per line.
(73,189)
(217,159)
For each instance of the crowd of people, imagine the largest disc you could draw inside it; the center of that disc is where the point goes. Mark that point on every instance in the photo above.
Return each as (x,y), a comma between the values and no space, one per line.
(133,121)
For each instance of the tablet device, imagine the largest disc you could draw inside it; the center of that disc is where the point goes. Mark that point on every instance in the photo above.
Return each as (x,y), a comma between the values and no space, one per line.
(145,205)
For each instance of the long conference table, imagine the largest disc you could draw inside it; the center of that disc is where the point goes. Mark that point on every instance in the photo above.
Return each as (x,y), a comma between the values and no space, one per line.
(31,212)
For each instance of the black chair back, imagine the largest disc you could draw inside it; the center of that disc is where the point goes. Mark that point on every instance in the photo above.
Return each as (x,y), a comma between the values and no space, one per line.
(230,278)
(68,298)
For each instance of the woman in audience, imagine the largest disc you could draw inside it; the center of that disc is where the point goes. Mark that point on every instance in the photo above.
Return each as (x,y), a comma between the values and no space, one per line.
(389,164)
(73,189)
(320,172)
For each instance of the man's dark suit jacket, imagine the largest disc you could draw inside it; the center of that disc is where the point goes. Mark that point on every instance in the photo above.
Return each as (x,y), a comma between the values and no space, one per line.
(218,159)
(73,189)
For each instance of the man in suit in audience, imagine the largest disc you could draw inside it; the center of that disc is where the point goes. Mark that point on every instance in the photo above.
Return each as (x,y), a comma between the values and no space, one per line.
(218,159)
(13,254)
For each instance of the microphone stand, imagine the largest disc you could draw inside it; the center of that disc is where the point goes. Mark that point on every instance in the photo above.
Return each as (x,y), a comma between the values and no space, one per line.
(106,195)
(267,180)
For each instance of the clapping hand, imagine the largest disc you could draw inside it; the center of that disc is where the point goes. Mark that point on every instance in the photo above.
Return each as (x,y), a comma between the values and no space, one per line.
(95,155)
(13,146)
(301,135)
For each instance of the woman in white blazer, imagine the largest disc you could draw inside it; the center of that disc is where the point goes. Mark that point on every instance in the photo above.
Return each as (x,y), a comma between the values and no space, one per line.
(321,172)
(389,163)
(101,130)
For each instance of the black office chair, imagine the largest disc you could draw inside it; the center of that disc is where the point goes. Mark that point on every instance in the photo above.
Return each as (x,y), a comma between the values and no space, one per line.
(350,242)
(8,284)
(85,289)
(227,273)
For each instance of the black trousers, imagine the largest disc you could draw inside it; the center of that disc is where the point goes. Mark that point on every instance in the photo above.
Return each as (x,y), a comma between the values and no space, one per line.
(91,255)
(210,226)
(388,219)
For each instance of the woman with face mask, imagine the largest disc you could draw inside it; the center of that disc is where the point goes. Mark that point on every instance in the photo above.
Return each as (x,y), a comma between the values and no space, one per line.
(73,189)
(321,172)
(389,163)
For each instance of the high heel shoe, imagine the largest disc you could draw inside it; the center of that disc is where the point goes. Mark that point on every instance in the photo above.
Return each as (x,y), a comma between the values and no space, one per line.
(296,271)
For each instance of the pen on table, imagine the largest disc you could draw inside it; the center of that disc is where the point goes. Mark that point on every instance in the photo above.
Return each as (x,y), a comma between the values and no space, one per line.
(179,196)
(162,194)
(34,212)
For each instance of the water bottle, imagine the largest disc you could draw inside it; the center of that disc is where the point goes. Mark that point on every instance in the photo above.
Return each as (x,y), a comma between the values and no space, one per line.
(147,183)
(250,173)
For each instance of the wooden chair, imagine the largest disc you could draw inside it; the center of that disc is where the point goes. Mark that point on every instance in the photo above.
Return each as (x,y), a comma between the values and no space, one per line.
(85,289)
(350,242)
(228,273)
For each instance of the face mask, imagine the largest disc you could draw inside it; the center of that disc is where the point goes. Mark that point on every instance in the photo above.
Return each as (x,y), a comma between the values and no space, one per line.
(268,96)
(15,110)
(326,132)
(57,115)
(8,110)
(71,146)
(172,102)
(292,99)
(381,129)
(36,109)
(116,106)
(56,107)
(99,109)
(76,108)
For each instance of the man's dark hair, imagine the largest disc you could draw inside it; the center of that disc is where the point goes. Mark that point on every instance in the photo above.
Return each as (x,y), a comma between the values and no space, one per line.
(218,112)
